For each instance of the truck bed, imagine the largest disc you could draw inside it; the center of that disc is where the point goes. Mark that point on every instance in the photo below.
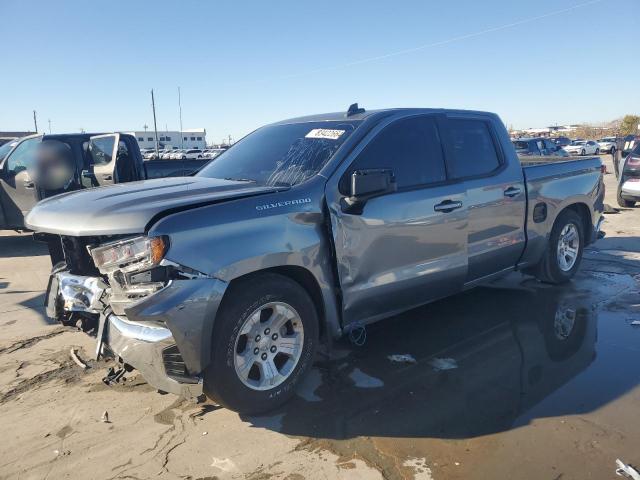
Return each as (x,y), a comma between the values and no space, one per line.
(557,182)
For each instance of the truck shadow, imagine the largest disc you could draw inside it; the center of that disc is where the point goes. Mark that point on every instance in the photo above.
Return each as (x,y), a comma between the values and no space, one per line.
(484,361)
(21,246)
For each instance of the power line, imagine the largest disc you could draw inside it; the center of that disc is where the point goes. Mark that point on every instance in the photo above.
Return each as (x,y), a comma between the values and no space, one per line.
(438,43)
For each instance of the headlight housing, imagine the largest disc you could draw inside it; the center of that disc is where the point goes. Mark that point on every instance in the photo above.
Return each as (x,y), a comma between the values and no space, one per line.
(138,252)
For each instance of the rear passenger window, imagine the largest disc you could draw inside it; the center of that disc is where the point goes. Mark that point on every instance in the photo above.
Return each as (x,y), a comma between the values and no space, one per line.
(473,150)
(411,148)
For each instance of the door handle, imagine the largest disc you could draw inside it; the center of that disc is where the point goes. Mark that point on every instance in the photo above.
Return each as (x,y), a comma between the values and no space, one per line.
(512,192)
(107,177)
(447,206)
(28,184)
(87,174)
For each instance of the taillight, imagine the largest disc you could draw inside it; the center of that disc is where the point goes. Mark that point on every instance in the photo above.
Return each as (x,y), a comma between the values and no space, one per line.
(633,160)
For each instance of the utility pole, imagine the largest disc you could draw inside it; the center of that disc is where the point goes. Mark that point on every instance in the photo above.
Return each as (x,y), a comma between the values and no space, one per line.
(49,120)
(180,110)
(35,121)
(155,125)
(229,140)
(145,126)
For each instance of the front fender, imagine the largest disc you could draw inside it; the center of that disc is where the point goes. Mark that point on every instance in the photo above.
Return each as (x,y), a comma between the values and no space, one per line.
(232,239)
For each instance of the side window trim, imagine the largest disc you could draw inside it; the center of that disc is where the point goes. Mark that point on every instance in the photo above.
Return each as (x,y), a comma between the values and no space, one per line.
(437,117)
(502,164)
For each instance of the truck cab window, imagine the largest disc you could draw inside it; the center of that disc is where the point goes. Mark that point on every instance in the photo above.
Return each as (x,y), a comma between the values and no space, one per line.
(22,156)
(410,147)
(101,150)
(473,150)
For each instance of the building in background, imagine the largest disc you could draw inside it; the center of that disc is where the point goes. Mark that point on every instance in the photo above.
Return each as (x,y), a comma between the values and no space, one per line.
(190,138)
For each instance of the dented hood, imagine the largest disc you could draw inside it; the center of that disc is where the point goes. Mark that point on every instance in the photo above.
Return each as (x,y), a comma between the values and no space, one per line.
(129,207)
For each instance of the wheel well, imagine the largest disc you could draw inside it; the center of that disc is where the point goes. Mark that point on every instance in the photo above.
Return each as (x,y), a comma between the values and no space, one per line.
(305,279)
(584,213)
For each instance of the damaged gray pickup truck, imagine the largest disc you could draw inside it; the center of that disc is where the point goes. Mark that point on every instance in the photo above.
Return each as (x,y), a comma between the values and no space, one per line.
(226,282)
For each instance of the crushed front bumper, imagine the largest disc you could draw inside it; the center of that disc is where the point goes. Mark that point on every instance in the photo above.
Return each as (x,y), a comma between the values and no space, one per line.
(150,349)
(166,336)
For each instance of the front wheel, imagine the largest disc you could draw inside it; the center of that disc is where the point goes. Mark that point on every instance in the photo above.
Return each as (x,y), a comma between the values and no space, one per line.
(264,341)
(582,152)
(597,151)
(564,252)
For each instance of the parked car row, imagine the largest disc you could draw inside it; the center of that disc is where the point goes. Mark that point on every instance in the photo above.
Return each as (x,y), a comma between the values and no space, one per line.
(535,147)
(181,153)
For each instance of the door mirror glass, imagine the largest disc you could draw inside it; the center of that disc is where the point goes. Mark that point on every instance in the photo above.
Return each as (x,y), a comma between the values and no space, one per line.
(365,183)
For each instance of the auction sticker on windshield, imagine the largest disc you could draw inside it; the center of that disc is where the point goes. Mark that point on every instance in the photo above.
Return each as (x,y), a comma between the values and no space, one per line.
(325,133)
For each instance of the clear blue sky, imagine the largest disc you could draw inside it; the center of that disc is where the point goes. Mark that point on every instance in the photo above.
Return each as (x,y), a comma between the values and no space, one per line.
(241,64)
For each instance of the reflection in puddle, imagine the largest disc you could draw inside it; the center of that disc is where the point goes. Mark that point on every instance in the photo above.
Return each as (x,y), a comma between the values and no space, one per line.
(362,380)
(522,350)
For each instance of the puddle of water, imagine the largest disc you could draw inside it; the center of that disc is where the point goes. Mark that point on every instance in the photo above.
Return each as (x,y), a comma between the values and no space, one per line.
(362,380)
(440,364)
(524,350)
(309,385)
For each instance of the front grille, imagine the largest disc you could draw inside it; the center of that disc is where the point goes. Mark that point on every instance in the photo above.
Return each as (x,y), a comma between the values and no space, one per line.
(174,365)
(76,256)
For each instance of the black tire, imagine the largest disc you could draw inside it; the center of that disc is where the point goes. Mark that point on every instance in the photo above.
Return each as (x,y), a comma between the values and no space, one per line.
(583,152)
(548,270)
(597,151)
(624,203)
(221,382)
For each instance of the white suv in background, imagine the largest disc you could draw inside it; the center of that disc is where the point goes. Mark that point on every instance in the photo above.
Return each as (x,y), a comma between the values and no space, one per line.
(583,147)
(608,144)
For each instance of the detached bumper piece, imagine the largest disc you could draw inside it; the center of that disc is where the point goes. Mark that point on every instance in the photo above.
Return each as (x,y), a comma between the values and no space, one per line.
(144,347)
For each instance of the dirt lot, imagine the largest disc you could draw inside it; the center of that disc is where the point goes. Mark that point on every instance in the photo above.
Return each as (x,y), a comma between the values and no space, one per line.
(514,380)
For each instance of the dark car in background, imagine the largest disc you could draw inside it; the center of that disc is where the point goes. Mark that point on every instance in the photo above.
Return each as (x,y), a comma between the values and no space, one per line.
(538,147)
(561,141)
(91,160)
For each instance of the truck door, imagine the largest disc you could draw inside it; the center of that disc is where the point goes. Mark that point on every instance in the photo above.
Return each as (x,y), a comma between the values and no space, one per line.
(18,189)
(406,247)
(495,194)
(103,153)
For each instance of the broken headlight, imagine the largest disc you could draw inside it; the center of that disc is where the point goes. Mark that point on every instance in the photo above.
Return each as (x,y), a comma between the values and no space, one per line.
(138,252)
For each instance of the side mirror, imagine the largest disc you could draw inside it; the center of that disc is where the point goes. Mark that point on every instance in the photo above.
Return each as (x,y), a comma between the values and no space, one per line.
(366,184)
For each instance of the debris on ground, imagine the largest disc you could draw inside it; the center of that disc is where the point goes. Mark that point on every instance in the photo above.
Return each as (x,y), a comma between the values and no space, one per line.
(439,364)
(609,209)
(105,417)
(114,376)
(626,471)
(402,358)
(74,357)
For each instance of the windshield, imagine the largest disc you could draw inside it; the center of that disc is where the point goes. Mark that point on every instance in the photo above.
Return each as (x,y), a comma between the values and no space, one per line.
(578,142)
(521,145)
(607,140)
(281,154)
(6,148)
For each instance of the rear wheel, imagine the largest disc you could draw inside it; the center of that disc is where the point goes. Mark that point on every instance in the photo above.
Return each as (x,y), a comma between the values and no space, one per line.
(624,203)
(564,252)
(597,151)
(264,341)
(582,152)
